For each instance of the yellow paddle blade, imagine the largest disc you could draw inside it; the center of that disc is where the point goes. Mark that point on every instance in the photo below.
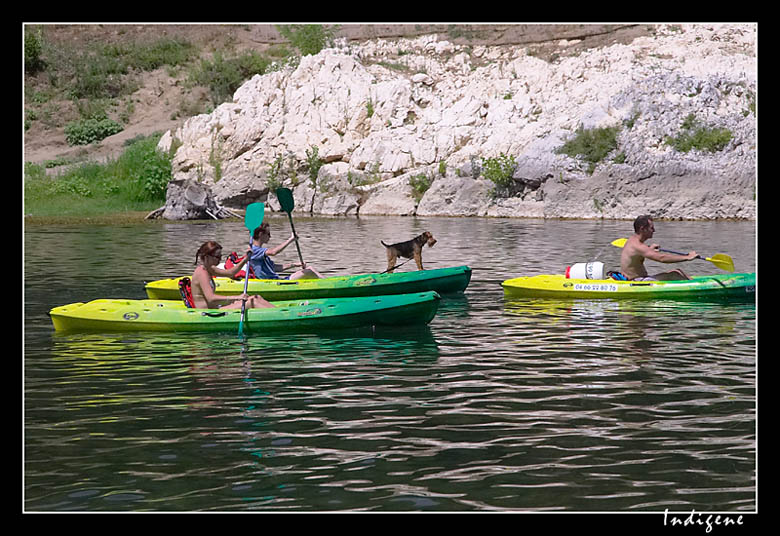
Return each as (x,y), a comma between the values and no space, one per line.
(722,261)
(620,242)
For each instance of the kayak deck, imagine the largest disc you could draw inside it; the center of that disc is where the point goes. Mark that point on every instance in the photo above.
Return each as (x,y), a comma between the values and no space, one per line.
(440,280)
(286,317)
(730,287)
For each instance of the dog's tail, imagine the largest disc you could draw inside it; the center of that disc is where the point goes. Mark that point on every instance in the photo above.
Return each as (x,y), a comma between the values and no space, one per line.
(383,243)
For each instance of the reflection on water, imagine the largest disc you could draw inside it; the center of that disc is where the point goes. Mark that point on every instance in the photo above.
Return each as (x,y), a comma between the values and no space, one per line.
(496,405)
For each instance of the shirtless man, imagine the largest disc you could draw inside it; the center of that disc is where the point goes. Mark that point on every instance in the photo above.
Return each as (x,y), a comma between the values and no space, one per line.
(632,259)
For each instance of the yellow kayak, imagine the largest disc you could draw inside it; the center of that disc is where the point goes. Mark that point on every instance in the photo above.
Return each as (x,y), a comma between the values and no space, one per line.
(730,287)
(297,316)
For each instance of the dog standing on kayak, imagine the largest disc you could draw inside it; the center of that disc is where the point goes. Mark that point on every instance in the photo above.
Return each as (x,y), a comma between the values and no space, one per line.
(410,249)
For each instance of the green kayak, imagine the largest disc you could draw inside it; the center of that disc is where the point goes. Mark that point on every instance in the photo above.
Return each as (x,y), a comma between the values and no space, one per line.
(441,280)
(309,315)
(728,287)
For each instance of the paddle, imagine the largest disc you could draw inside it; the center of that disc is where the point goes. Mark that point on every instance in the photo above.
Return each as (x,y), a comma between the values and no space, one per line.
(285,197)
(722,261)
(253,217)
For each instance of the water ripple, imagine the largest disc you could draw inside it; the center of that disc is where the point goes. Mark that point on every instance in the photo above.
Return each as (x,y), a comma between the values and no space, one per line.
(497,405)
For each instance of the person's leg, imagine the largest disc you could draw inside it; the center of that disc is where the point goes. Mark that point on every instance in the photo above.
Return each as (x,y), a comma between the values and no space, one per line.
(673,275)
(258,302)
(306,273)
(253,302)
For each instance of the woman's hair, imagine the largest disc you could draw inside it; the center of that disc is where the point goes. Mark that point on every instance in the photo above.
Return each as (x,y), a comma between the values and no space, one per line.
(260,230)
(208,248)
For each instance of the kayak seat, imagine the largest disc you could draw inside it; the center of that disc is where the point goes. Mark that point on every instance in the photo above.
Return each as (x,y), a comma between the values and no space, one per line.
(185,288)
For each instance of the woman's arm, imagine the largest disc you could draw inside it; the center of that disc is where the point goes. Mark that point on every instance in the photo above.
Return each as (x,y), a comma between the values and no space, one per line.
(231,272)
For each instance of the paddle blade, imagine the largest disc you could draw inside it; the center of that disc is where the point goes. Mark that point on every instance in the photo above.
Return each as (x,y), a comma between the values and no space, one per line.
(253,216)
(620,242)
(722,261)
(285,197)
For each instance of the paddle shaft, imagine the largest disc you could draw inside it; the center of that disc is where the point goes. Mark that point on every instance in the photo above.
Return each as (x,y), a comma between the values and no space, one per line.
(720,260)
(300,256)
(678,253)
(287,202)
(252,220)
(246,287)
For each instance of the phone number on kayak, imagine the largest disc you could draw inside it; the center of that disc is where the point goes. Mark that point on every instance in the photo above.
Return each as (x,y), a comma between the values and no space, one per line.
(598,287)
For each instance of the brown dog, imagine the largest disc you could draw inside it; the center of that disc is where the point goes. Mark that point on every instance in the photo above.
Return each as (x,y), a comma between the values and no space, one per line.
(411,249)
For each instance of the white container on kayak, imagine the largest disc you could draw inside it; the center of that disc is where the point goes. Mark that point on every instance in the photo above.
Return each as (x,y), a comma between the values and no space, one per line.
(585,270)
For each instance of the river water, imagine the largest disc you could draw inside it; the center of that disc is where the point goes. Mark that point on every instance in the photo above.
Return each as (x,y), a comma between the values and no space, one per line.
(497,405)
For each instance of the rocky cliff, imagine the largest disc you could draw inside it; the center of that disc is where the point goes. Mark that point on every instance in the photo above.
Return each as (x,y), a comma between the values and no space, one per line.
(408,126)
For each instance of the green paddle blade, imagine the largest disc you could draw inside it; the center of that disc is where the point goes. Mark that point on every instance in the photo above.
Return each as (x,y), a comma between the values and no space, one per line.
(285,197)
(253,216)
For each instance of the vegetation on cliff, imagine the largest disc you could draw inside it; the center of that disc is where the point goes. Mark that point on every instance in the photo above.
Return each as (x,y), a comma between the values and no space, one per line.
(98,81)
(136,181)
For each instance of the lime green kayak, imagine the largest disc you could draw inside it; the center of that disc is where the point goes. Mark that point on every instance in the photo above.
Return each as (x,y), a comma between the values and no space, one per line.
(441,280)
(296,316)
(730,287)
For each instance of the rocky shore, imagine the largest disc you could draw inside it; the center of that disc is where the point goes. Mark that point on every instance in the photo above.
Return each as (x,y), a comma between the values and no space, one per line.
(406,127)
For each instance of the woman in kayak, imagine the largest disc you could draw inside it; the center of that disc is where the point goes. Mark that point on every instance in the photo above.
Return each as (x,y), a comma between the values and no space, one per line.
(203,289)
(265,268)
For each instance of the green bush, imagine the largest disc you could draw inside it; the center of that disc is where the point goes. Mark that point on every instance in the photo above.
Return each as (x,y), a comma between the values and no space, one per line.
(223,76)
(276,173)
(420,184)
(499,170)
(307,38)
(137,180)
(151,56)
(97,76)
(101,71)
(149,168)
(89,130)
(593,145)
(314,163)
(695,136)
(33,46)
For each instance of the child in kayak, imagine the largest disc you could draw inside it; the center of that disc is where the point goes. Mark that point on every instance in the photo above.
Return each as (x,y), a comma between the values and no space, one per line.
(635,251)
(203,289)
(264,267)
